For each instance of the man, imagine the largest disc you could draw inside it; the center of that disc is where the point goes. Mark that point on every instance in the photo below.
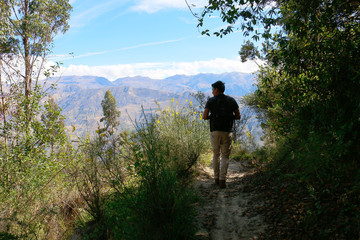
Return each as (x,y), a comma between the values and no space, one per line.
(222,110)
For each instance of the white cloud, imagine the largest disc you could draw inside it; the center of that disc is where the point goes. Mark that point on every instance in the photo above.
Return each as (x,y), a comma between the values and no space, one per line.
(160,70)
(151,6)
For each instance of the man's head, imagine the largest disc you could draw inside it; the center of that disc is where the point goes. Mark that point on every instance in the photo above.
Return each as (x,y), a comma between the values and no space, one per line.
(218,87)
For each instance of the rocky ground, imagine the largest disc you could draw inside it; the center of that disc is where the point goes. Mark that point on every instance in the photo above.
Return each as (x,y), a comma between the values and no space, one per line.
(228,214)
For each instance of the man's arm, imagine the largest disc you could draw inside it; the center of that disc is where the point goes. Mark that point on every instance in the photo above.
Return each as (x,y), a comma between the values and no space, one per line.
(205,114)
(237,114)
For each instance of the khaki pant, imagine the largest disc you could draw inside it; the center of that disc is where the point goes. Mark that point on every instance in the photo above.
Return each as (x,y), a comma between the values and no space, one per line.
(221,143)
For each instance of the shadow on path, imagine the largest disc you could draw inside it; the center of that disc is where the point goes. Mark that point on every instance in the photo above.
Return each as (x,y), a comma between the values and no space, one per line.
(224,214)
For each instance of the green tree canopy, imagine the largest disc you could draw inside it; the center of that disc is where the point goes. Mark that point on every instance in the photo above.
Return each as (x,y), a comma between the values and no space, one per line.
(27,31)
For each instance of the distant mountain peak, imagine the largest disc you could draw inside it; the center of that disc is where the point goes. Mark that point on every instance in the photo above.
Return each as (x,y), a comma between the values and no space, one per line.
(236,83)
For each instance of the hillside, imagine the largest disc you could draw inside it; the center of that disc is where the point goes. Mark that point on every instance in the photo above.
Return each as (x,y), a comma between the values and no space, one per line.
(80,96)
(237,84)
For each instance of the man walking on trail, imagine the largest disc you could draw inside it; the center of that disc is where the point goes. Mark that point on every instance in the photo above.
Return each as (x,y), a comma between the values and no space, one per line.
(222,110)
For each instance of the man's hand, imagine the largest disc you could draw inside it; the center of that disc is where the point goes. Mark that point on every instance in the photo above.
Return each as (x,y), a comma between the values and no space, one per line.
(205,114)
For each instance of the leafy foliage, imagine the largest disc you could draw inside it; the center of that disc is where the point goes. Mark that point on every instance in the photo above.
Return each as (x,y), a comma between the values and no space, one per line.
(32,159)
(250,14)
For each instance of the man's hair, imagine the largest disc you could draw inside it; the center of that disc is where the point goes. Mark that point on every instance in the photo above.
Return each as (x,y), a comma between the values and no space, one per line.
(219,85)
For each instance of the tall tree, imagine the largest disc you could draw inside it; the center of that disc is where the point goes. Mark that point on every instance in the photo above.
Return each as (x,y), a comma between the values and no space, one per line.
(30,26)
(111,114)
(35,140)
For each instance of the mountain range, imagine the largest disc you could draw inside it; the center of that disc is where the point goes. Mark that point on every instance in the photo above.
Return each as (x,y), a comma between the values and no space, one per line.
(237,84)
(80,97)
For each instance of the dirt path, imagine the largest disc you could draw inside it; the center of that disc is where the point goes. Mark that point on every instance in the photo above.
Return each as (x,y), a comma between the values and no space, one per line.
(224,214)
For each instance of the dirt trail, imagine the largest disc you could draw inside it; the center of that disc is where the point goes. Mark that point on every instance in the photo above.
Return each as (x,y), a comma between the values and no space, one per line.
(225,214)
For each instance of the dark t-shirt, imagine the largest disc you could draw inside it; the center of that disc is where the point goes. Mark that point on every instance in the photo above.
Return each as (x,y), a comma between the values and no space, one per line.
(220,122)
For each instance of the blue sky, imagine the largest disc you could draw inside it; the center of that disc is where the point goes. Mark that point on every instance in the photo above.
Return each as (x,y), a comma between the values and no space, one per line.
(154,38)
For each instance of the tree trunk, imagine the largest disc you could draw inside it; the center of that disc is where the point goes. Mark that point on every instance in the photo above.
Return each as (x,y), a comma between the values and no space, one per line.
(27,79)
(27,53)
(3,109)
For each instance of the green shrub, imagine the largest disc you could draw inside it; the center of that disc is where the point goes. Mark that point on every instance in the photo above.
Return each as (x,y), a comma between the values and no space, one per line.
(33,159)
(145,191)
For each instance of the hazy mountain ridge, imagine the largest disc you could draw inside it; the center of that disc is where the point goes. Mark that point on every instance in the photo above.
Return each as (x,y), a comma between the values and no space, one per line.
(237,84)
(80,96)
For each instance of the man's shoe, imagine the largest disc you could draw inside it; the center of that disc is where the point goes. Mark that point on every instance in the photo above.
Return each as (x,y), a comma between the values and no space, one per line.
(216,181)
(222,184)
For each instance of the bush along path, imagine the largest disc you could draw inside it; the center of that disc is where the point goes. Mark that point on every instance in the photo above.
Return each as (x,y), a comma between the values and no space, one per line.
(230,213)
